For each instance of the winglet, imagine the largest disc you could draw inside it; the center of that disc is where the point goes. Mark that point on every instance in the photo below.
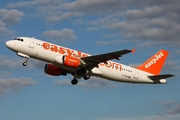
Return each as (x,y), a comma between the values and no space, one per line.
(133,50)
(154,64)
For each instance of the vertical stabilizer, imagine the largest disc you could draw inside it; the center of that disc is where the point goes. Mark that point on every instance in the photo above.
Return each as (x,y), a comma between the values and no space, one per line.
(154,64)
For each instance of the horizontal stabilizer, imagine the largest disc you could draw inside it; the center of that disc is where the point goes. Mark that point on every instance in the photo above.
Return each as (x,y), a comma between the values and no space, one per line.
(158,77)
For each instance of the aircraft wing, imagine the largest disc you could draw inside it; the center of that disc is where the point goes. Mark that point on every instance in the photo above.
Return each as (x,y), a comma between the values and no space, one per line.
(94,60)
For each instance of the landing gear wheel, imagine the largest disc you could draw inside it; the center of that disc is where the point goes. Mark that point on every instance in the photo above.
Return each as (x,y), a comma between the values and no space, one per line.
(24,63)
(74,81)
(86,76)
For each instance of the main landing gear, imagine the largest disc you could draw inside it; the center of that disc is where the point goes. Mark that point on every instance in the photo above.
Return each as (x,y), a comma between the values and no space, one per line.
(75,81)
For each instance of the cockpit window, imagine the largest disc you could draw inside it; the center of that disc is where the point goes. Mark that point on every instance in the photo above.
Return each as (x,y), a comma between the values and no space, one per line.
(19,39)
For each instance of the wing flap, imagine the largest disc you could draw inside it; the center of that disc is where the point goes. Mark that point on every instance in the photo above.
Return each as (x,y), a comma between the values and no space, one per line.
(158,77)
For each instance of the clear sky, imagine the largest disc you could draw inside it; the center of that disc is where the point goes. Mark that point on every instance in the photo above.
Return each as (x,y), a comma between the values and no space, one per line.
(94,27)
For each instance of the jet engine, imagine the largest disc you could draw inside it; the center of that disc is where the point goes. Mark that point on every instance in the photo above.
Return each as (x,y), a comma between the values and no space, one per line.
(68,61)
(53,70)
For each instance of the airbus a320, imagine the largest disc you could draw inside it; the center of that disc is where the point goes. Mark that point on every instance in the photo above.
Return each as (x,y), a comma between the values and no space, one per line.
(62,61)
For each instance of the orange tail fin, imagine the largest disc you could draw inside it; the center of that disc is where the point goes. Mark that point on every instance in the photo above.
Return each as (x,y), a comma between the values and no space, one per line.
(154,64)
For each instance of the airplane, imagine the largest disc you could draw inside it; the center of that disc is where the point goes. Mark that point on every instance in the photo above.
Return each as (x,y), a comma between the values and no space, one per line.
(62,61)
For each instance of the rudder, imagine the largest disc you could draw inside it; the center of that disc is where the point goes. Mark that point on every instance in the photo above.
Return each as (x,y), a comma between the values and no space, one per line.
(154,64)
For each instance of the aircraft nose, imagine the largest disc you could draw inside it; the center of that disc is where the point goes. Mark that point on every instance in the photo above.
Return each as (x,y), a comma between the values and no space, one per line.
(8,44)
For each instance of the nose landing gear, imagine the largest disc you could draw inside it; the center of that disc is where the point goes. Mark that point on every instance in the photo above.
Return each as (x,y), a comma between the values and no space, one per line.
(25,63)
(24,56)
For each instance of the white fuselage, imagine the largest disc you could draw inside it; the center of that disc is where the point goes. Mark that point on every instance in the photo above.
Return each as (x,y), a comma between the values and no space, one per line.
(45,51)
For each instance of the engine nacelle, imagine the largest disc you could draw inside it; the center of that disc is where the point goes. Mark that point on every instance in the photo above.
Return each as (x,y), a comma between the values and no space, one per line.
(72,61)
(53,70)
(69,61)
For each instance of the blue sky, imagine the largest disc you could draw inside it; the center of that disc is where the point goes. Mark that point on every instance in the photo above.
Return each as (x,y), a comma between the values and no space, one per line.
(91,26)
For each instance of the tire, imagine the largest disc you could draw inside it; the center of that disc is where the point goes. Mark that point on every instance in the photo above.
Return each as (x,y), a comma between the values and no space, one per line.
(86,76)
(24,63)
(74,81)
